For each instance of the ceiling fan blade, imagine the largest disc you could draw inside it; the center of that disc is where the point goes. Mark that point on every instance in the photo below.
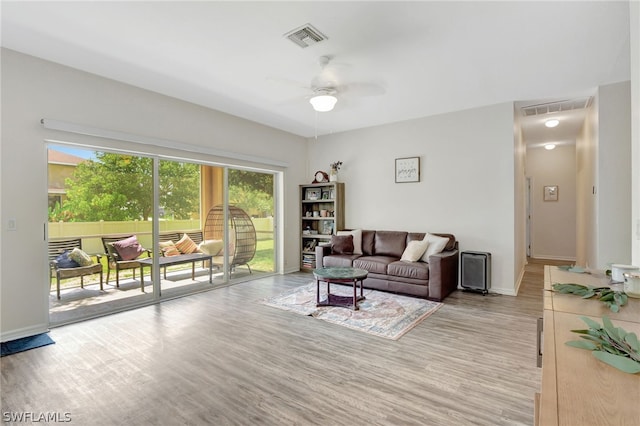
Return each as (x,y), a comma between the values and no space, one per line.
(362,89)
(288,82)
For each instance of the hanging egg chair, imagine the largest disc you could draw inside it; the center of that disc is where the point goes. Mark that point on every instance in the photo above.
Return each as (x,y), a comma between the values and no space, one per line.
(242,234)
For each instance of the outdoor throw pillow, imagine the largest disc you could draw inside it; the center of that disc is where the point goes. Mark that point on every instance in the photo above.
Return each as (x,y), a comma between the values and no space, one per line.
(210,247)
(414,251)
(63,261)
(357,239)
(80,257)
(342,244)
(169,248)
(186,245)
(436,245)
(129,248)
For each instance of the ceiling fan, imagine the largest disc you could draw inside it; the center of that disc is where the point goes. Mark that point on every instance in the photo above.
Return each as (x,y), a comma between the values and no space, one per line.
(326,90)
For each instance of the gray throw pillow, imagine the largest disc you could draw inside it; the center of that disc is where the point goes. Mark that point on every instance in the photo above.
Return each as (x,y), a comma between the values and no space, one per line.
(342,244)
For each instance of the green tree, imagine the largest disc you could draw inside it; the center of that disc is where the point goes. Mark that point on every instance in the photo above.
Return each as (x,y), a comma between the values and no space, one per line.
(251,191)
(116,187)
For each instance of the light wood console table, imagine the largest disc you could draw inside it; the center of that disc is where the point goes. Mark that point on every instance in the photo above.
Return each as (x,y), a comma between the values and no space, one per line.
(577,389)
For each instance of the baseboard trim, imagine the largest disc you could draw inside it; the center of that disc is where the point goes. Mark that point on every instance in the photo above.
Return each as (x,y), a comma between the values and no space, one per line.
(519,281)
(291,270)
(550,257)
(504,291)
(24,332)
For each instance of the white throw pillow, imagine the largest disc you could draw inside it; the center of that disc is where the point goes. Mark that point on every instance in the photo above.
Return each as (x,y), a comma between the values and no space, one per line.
(436,245)
(414,251)
(357,239)
(211,247)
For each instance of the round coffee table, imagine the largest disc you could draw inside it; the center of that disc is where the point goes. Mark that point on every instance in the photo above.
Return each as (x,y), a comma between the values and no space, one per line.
(340,276)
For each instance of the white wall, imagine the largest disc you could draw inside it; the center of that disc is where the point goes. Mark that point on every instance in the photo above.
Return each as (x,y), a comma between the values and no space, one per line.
(520,196)
(614,174)
(553,230)
(604,180)
(33,89)
(586,206)
(466,187)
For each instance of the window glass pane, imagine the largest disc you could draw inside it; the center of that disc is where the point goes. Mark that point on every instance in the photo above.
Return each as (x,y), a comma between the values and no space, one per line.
(94,196)
(253,193)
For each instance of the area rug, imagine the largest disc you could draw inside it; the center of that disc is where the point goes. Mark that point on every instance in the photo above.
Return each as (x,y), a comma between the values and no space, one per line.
(26,343)
(381,314)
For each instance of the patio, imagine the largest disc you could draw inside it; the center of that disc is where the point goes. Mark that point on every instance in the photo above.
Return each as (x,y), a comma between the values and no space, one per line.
(76,302)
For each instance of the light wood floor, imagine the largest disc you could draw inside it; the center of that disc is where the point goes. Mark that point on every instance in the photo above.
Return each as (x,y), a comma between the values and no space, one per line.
(221,358)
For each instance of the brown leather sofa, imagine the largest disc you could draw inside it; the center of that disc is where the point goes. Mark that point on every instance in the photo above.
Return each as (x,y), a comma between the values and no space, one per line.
(381,253)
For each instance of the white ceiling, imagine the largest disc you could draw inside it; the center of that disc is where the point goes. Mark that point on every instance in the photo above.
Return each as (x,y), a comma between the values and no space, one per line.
(423,58)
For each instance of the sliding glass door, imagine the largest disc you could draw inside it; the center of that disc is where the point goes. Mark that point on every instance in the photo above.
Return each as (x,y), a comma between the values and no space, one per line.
(100,208)
(194,225)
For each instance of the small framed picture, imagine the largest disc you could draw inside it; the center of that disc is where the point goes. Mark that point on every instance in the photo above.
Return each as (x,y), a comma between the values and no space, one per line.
(408,169)
(327,228)
(325,194)
(551,193)
(313,194)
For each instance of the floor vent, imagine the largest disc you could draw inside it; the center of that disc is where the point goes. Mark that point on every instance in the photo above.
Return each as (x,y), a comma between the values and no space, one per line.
(305,36)
(559,106)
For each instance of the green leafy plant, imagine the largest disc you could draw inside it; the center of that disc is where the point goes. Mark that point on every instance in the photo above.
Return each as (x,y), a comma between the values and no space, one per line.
(612,298)
(611,345)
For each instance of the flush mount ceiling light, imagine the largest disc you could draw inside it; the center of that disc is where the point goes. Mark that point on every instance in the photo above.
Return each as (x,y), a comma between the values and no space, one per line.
(552,122)
(550,146)
(323,99)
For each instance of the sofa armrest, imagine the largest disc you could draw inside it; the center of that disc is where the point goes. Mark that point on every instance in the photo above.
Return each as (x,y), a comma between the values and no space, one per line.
(443,274)
(322,250)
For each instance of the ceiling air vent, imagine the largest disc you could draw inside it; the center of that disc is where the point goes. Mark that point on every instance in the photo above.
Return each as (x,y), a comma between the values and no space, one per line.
(559,106)
(305,36)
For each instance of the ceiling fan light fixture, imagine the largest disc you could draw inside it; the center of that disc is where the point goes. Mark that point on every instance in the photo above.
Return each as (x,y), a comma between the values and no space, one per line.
(552,122)
(323,103)
(550,146)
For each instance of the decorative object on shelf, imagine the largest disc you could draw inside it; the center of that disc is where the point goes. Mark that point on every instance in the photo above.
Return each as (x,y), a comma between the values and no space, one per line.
(551,193)
(611,345)
(612,298)
(327,228)
(408,169)
(313,194)
(320,177)
(335,168)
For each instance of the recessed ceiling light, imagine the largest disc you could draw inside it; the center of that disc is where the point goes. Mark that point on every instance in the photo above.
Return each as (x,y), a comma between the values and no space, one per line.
(552,122)
(550,146)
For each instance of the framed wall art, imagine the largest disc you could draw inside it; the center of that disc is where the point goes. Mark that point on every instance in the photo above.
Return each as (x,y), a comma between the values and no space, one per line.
(551,193)
(408,169)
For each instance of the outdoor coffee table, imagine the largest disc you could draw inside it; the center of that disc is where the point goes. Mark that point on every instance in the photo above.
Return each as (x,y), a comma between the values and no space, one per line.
(176,260)
(340,276)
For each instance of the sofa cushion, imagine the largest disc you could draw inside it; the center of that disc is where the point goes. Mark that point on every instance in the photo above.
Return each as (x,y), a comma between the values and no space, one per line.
(414,251)
(390,243)
(342,244)
(415,270)
(338,260)
(374,264)
(367,242)
(211,247)
(357,239)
